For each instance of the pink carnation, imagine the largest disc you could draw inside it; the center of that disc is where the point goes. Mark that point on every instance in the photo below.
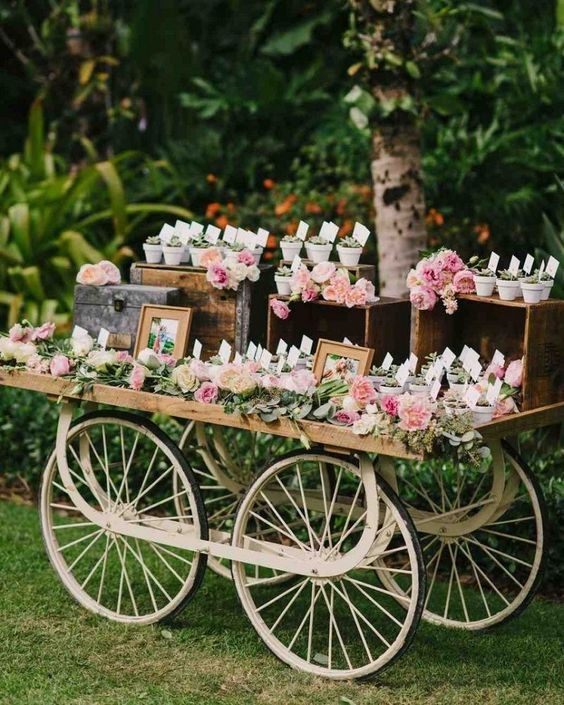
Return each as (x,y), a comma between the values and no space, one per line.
(514,373)
(211,255)
(362,391)
(347,418)
(423,298)
(449,260)
(389,404)
(137,377)
(218,275)
(340,284)
(414,412)
(60,365)
(463,282)
(112,272)
(246,257)
(280,309)
(207,393)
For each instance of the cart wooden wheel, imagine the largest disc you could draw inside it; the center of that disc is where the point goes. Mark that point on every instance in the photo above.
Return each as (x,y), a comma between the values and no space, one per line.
(482,535)
(124,466)
(227,460)
(348,625)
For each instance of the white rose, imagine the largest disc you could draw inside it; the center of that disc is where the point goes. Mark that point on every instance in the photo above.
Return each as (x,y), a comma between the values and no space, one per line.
(148,358)
(7,349)
(253,273)
(365,425)
(100,359)
(350,404)
(239,271)
(184,378)
(82,345)
(24,351)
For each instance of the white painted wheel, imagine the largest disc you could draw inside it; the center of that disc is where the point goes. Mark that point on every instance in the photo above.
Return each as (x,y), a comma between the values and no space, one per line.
(482,536)
(123,466)
(344,626)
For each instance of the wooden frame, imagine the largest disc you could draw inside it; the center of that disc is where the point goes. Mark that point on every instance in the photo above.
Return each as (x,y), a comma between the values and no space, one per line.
(325,348)
(183,319)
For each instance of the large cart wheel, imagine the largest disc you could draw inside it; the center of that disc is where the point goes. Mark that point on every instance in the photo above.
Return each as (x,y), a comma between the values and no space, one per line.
(349,625)
(123,466)
(482,534)
(227,460)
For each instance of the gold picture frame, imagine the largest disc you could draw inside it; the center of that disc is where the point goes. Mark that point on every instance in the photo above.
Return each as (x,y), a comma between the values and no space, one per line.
(164,329)
(329,354)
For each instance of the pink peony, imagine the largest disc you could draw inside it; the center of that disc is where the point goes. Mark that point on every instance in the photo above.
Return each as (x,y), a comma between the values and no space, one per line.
(355,297)
(137,377)
(514,373)
(322,272)
(504,407)
(92,275)
(112,272)
(270,381)
(414,412)
(449,260)
(301,381)
(389,404)
(423,298)
(429,273)
(207,393)
(347,418)
(362,391)
(211,255)
(60,365)
(218,275)
(463,282)
(44,332)
(246,257)
(280,309)
(310,293)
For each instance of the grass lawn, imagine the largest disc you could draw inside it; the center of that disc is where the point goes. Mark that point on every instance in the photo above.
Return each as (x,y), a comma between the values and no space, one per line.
(54,652)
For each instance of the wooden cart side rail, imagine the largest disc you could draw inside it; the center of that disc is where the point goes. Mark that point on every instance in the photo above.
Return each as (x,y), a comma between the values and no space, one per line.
(523,421)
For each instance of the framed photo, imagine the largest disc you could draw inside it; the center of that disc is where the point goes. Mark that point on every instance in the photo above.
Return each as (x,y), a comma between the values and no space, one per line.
(164,330)
(333,360)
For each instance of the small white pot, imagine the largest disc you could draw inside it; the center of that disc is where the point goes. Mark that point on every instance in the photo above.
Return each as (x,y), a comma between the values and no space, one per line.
(419,389)
(282,285)
(196,253)
(484,285)
(457,386)
(349,255)
(391,391)
(290,249)
(318,253)
(532,293)
(547,286)
(482,414)
(257,254)
(455,410)
(153,253)
(172,255)
(185,255)
(376,381)
(507,290)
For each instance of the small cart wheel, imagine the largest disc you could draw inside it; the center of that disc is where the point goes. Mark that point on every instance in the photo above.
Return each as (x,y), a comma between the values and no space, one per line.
(482,534)
(347,625)
(125,467)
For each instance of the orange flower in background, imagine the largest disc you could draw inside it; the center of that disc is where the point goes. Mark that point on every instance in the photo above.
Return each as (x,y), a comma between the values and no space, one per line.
(346,228)
(211,179)
(231,207)
(272,242)
(483,232)
(312,207)
(286,205)
(292,227)
(222,221)
(212,209)
(340,207)
(433,217)
(269,184)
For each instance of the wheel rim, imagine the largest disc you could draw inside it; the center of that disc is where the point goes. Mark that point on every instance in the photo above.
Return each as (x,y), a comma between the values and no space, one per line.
(123,466)
(482,567)
(346,627)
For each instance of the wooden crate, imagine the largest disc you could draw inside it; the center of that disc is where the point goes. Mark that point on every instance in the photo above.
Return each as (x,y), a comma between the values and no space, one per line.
(382,326)
(517,329)
(367,271)
(237,317)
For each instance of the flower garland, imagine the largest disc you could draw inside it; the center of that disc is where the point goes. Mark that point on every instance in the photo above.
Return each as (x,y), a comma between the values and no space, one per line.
(328,282)
(443,275)
(228,272)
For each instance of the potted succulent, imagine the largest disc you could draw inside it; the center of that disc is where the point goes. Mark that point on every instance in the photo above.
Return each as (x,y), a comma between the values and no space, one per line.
(173,250)
(379,374)
(282,279)
(390,386)
(257,253)
(454,404)
(197,246)
(547,281)
(419,386)
(532,289)
(349,250)
(484,280)
(291,246)
(153,249)
(482,410)
(318,249)
(507,285)
(458,379)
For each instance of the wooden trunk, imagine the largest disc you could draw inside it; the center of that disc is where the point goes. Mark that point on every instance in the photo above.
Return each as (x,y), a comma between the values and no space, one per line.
(532,331)
(366,271)
(117,309)
(382,326)
(237,317)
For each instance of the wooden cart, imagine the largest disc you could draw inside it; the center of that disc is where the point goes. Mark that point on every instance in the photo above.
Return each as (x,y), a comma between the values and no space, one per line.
(333,570)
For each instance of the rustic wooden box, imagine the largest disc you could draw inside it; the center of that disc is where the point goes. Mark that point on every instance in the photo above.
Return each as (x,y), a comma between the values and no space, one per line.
(117,308)
(382,326)
(534,331)
(237,317)
(368,271)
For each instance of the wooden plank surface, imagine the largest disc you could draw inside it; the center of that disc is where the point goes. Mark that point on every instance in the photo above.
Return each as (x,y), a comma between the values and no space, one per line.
(524,421)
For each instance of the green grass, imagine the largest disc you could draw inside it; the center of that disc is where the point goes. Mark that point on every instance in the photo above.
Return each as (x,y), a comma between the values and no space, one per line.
(54,652)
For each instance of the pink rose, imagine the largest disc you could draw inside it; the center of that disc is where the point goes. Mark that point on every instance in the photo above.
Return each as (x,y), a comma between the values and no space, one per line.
(112,272)
(92,275)
(362,391)
(496,370)
(199,369)
(137,377)
(389,404)
(300,279)
(423,298)
(211,255)
(217,275)
(414,412)
(449,260)
(463,282)
(413,279)
(280,309)
(123,357)
(167,360)
(355,297)
(347,418)
(429,273)
(207,393)
(44,332)
(270,381)
(329,293)
(252,366)
(504,407)
(60,365)
(322,272)
(20,334)
(301,381)
(246,257)
(367,287)
(310,293)
(341,284)
(514,373)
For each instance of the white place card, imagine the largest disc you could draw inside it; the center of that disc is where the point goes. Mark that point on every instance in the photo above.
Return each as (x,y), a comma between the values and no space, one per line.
(237,359)
(196,228)
(262,237)
(387,362)
(552,266)
(79,332)
(258,353)
(251,350)
(241,236)
(346,341)
(306,345)
(476,371)
(229,234)
(412,362)
(281,363)
(493,262)
(296,263)
(402,374)
(197,349)
(183,231)
(435,388)
(541,270)
(282,347)
(224,351)
(498,359)
(463,354)
(528,264)
(167,231)
(251,240)
(360,233)
(212,234)
(265,359)
(448,357)
(429,375)
(514,265)
(293,356)
(328,231)
(301,232)
(437,368)
(493,391)
(472,395)
(103,336)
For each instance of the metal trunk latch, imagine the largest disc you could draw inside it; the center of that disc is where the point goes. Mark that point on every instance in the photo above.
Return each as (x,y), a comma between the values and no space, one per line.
(119,304)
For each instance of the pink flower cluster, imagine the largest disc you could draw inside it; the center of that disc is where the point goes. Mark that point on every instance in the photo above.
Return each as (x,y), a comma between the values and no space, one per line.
(228,273)
(28,334)
(100,274)
(440,275)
